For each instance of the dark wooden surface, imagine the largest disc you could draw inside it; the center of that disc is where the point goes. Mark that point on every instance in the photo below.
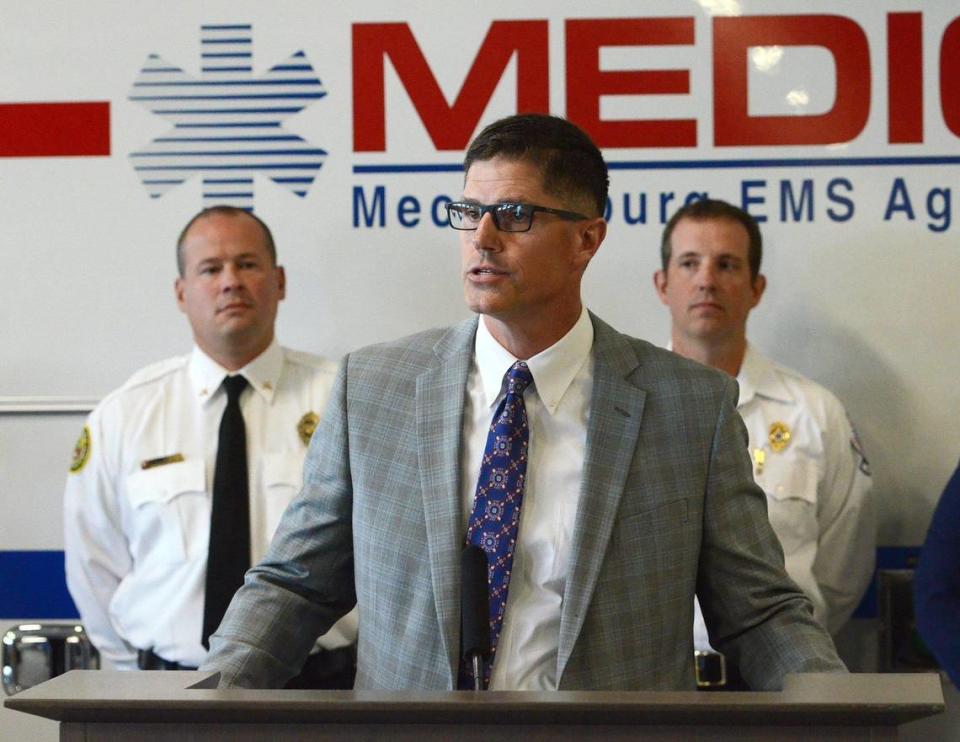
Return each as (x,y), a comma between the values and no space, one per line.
(188,697)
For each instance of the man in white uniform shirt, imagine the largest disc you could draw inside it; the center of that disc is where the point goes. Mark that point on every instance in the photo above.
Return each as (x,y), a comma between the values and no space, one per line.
(805,454)
(605,479)
(139,504)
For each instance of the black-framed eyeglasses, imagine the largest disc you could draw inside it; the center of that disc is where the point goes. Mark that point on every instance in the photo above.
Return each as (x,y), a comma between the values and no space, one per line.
(508,216)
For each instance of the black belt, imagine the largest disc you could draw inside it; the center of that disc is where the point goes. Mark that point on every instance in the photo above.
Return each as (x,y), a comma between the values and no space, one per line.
(148,660)
(715,672)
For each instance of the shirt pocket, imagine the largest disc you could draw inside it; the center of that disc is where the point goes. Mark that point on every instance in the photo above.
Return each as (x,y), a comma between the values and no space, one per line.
(171,512)
(282,477)
(791,487)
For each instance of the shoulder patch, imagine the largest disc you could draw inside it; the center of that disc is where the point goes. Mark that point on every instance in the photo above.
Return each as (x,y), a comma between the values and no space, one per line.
(81,451)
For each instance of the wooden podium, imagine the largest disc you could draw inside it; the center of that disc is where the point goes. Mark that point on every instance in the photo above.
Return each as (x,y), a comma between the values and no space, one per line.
(105,706)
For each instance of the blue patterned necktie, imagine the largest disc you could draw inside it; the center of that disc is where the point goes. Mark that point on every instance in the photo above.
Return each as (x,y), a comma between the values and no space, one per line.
(496,507)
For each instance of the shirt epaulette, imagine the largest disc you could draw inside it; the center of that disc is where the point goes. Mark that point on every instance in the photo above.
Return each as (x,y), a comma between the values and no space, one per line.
(154,372)
(142,377)
(806,389)
(300,358)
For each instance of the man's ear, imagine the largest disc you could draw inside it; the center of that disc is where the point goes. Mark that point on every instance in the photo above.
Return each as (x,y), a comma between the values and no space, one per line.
(178,292)
(660,284)
(282,281)
(591,237)
(759,286)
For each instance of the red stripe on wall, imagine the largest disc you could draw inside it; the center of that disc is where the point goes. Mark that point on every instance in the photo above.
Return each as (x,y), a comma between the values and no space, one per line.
(55,129)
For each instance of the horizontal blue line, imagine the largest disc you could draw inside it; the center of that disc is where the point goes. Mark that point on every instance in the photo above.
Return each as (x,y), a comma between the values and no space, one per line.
(34,586)
(225,69)
(229,83)
(300,193)
(408,168)
(225,41)
(226,55)
(292,68)
(246,125)
(224,181)
(233,27)
(293,180)
(163,182)
(235,153)
(279,166)
(701,164)
(215,111)
(264,96)
(207,194)
(288,138)
(153,70)
(783,162)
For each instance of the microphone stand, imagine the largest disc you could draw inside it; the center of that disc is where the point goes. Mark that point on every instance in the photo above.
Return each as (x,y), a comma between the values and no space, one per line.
(477,672)
(475,610)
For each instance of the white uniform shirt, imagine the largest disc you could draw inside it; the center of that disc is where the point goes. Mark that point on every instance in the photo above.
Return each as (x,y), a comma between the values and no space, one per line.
(136,533)
(558,409)
(817,487)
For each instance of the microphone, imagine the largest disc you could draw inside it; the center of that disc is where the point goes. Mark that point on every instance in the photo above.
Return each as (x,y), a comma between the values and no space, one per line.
(474,610)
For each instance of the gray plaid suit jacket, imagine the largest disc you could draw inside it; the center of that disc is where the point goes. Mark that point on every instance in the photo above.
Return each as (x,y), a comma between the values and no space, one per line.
(668,508)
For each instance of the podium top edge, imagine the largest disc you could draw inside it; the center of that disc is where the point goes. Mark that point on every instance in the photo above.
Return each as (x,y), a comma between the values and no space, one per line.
(839,700)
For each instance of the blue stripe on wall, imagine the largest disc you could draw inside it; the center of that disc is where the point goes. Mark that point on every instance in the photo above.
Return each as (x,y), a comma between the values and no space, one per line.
(888,557)
(33,585)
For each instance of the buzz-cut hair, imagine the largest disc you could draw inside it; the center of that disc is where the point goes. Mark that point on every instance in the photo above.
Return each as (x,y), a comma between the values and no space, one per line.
(224,210)
(707,209)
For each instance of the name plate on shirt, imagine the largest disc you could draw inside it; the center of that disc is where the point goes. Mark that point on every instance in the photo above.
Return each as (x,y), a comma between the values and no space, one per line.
(175,458)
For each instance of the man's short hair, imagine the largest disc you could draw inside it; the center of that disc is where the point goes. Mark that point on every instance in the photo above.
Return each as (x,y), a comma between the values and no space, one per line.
(711,208)
(570,163)
(224,210)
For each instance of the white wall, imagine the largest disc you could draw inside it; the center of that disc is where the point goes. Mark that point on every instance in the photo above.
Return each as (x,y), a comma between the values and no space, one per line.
(867,306)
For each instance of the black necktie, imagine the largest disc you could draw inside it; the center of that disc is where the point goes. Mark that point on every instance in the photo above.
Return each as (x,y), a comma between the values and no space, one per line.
(228,555)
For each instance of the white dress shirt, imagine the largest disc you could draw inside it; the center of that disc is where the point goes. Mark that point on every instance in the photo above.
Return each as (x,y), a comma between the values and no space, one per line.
(558,409)
(817,486)
(137,512)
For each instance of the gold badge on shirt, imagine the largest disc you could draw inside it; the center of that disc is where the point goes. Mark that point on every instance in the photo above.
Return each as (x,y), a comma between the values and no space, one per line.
(81,451)
(779,436)
(306,426)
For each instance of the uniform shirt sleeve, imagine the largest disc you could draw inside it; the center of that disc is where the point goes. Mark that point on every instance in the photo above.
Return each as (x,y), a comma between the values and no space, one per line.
(846,550)
(937,582)
(757,616)
(97,557)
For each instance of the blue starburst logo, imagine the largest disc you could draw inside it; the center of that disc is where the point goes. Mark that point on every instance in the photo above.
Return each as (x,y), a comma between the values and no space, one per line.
(227,125)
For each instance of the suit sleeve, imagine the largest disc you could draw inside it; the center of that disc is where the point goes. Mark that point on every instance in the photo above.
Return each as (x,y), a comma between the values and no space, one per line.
(755,613)
(937,582)
(305,582)
(846,549)
(97,556)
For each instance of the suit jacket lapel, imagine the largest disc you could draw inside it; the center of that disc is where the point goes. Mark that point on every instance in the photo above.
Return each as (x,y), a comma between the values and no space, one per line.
(439,413)
(616,409)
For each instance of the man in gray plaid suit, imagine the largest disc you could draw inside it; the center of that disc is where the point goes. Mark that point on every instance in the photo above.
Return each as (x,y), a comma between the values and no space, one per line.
(638,491)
